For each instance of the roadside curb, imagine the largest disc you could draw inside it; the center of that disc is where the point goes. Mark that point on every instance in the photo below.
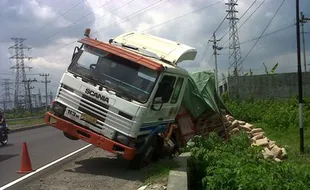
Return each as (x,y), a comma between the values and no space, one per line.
(28,127)
(177,179)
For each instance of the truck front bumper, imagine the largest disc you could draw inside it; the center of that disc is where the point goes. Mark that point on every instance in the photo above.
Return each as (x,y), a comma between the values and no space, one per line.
(88,136)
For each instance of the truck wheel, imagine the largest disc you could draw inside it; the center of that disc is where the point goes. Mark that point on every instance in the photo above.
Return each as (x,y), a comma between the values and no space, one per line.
(159,149)
(144,158)
(70,136)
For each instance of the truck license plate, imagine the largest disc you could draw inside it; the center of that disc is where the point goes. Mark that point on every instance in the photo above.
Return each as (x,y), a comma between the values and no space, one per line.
(88,118)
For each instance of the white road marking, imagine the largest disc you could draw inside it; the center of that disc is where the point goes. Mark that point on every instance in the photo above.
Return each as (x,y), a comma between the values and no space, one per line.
(42,168)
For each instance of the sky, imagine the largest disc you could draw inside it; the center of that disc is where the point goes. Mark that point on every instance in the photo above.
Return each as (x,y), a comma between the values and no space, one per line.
(52,28)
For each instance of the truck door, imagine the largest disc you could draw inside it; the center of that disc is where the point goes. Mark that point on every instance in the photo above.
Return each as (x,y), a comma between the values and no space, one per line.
(166,100)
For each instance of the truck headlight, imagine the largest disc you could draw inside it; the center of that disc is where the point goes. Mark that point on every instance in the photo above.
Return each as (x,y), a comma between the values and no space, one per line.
(122,138)
(58,108)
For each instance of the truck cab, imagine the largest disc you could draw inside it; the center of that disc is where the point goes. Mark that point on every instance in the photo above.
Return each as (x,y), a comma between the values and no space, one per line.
(122,96)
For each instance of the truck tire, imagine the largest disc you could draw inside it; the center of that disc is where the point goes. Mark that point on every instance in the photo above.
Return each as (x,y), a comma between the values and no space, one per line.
(144,158)
(70,136)
(159,149)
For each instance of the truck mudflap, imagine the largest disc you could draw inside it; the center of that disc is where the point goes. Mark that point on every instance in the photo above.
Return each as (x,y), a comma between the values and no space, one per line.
(93,138)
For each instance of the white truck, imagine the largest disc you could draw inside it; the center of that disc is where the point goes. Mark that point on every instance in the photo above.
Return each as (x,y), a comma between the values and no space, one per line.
(122,96)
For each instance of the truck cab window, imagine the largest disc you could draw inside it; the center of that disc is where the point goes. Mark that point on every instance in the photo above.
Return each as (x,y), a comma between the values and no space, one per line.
(125,77)
(177,90)
(166,82)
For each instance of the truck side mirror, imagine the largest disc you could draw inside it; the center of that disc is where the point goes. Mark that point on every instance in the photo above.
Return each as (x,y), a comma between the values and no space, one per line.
(76,51)
(164,96)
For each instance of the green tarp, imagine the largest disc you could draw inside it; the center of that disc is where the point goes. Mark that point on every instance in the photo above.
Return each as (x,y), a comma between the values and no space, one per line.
(200,94)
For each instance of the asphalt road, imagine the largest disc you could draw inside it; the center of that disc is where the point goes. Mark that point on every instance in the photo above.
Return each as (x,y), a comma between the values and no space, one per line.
(45,145)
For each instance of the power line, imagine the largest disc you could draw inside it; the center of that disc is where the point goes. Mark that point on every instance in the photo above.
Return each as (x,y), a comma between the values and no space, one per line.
(197,10)
(65,45)
(61,15)
(263,31)
(205,52)
(267,34)
(208,44)
(14,73)
(209,59)
(110,12)
(143,10)
(76,21)
(252,13)
(181,16)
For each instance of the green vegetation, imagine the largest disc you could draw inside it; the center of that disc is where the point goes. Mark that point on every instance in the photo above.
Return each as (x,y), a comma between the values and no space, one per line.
(21,113)
(26,122)
(234,164)
(159,170)
(289,139)
(277,114)
(279,120)
(216,164)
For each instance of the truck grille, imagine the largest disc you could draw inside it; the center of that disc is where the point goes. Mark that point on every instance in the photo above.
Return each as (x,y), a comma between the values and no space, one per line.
(107,115)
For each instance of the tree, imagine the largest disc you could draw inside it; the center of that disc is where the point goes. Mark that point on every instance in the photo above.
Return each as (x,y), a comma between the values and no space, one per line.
(272,71)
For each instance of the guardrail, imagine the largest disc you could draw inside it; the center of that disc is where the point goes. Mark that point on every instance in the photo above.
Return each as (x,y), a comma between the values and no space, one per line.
(25,118)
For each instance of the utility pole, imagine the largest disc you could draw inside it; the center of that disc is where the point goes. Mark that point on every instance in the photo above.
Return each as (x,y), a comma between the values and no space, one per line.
(303,20)
(28,83)
(300,99)
(215,48)
(45,81)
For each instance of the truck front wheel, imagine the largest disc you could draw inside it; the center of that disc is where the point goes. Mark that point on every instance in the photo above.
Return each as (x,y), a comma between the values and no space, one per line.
(70,136)
(146,157)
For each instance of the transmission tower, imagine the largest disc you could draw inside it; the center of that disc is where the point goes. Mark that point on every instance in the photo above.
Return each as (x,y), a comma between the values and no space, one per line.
(45,81)
(34,100)
(18,54)
(40,98)
(235,64)
(7,95)
(28,83)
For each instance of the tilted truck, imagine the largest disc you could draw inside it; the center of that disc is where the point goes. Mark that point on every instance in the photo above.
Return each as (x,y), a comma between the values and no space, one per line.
(123,95)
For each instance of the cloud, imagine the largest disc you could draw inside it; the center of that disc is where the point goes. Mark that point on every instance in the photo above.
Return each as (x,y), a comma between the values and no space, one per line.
(52,28)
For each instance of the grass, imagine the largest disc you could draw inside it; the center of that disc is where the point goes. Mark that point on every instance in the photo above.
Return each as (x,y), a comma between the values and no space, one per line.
(26,122)
(289,139)
(159,171)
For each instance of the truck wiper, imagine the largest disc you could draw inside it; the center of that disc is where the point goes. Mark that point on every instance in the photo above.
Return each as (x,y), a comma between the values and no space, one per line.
(90,78)
(117,90)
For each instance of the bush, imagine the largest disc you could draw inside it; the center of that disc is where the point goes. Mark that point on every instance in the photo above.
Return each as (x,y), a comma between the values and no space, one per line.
(279,114)
(234,164)
(21,113)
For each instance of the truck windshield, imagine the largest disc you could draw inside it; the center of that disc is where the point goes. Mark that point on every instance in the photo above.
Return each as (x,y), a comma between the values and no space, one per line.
(123,76)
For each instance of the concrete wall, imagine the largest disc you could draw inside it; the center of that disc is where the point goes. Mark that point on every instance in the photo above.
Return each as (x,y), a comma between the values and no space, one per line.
(284,85)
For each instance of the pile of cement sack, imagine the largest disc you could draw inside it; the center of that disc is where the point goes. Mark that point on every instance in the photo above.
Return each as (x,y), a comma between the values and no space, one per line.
(257,138)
